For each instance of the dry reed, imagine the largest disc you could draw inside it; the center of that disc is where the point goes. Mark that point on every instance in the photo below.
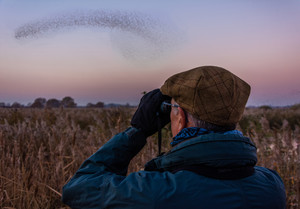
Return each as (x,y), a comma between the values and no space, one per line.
(41,149)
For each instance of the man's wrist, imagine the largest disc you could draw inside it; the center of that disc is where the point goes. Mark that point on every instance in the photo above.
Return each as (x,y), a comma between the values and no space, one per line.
(136,136)
(130,131)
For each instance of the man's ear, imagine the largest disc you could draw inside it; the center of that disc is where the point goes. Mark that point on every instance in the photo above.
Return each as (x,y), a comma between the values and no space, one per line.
(182,119)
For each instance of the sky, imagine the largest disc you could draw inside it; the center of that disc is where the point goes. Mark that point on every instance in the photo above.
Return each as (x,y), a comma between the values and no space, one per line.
(113,50)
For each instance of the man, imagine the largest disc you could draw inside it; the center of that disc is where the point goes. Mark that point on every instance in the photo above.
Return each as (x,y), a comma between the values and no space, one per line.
(210,165)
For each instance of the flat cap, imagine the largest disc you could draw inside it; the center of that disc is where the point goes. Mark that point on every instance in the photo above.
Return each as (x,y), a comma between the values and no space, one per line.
(210,93)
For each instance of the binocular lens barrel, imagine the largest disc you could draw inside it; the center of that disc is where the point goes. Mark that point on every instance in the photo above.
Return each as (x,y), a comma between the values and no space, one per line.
(165,108)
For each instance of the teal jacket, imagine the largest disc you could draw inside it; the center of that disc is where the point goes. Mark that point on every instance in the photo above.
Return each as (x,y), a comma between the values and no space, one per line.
(101,181)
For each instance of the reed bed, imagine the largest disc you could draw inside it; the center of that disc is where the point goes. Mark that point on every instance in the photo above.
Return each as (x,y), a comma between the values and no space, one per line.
(41,149)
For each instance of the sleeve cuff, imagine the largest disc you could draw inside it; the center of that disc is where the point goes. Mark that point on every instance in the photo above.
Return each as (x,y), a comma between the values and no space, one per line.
(136,137)
(131,131)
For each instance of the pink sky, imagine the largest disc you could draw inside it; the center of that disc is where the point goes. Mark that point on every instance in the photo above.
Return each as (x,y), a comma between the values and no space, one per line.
(258,41)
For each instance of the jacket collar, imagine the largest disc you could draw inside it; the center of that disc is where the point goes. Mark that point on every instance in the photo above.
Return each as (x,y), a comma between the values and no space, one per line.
(213,150)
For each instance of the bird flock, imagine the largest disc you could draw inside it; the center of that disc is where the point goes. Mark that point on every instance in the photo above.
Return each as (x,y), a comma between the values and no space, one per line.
(153,32)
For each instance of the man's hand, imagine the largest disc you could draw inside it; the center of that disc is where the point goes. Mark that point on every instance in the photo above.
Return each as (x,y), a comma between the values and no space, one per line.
(145,118)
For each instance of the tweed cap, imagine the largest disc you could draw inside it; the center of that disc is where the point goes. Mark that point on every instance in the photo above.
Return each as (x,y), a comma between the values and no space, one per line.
(210,93)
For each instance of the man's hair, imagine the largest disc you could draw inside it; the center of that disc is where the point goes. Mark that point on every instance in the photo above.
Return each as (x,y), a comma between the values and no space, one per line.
(204,124)
(208,126)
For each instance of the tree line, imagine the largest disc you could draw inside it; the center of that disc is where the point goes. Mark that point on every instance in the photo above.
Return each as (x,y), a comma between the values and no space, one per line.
(67,102)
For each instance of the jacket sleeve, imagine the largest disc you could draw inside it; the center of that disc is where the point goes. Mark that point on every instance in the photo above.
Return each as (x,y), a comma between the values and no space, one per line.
(101,180)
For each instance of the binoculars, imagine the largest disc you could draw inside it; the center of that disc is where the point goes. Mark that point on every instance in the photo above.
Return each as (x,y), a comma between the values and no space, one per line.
(166,106)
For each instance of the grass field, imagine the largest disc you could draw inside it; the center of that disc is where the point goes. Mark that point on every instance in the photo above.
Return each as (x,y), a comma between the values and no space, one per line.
(41,149)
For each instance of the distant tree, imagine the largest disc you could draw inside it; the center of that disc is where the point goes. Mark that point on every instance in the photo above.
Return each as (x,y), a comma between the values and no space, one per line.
(265,107)
(90,105)
(53,103)
(16,105)
(39,103)
(2,104)
(113,105)
(68,102)
(99,104)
